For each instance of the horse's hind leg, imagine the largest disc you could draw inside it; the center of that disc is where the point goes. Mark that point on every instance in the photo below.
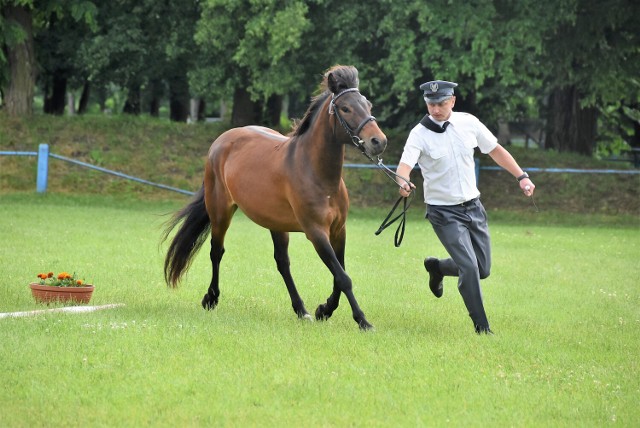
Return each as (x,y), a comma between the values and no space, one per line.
(281,255)
(210,299)
(220,213)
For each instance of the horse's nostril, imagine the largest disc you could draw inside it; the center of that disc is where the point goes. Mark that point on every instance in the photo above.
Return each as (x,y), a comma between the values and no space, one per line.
(379,142)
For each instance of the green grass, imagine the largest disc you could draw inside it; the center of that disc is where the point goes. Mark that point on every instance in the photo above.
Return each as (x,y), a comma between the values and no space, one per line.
(563,300)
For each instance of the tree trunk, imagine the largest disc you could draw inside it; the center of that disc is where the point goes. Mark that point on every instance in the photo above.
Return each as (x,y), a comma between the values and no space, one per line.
(179,99)
(194,109)
(178,110)
(202,107)
(273,111)
(154,107)
(56,101)
(22,65)
(156,91)
(83,104)
(71,104)
(248,112)
(245,111)
(634,140)
(132,105)
(570,128)
(504,133)
(102,98)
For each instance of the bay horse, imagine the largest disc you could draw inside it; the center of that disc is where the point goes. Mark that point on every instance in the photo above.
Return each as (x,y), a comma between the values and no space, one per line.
(285,184)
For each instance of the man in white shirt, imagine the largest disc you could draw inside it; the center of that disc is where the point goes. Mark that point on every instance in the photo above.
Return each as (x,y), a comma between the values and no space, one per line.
(442,144)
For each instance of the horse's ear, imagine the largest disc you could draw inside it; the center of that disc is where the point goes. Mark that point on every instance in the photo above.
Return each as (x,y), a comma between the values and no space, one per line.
(332,83)
(340,77)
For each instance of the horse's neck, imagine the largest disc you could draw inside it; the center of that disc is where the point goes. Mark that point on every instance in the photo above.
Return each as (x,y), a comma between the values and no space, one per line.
(324,150)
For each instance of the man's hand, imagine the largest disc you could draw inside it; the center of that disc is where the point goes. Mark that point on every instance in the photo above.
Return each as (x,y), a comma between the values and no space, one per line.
(405,187)
(527,187)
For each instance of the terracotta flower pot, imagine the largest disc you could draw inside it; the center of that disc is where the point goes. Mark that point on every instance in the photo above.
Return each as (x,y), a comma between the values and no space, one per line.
(50,293)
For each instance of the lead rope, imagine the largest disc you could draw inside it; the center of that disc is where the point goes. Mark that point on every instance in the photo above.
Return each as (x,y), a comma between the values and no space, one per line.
(388,221)
(355,139)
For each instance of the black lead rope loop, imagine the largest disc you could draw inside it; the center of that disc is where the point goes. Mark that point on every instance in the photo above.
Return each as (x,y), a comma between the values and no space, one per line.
(400,230)
(399,235)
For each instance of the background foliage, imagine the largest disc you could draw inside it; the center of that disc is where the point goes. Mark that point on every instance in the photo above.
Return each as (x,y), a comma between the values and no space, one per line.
(570,66)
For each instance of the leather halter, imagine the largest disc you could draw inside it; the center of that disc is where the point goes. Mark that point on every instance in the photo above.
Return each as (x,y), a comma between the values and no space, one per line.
(353,134)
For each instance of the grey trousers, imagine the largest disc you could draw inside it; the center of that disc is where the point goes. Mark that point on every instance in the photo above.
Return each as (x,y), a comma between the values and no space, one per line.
(464,233)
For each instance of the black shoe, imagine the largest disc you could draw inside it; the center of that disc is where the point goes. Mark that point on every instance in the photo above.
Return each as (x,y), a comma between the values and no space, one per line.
(484,330)
(432,265)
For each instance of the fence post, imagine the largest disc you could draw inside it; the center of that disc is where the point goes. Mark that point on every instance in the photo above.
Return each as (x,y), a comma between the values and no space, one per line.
(477,162)
(43,168)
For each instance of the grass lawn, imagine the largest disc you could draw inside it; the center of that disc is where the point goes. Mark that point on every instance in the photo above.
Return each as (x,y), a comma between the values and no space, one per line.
(563,299)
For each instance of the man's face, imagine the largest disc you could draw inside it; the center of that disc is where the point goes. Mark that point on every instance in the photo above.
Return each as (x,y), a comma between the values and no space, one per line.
(441,111)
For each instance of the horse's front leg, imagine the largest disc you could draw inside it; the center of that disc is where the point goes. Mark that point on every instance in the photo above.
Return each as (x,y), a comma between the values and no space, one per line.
(281,255)
(332,254)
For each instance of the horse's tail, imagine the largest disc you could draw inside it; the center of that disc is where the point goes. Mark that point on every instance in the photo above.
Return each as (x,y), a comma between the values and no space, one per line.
(190,237)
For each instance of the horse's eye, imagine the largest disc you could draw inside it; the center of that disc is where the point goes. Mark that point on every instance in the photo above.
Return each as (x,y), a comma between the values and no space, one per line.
(344,109)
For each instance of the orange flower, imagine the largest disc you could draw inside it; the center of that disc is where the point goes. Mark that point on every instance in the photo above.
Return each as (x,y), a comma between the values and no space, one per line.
(63,279)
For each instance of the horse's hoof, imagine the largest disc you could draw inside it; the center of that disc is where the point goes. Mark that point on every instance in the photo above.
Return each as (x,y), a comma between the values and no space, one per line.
(365,326)
(304,315)
(207,303)
(320,314)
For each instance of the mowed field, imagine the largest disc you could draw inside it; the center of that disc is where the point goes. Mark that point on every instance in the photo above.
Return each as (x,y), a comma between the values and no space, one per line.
(563,300)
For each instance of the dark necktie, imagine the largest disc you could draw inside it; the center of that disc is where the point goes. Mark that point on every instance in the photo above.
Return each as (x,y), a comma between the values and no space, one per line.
(432,126)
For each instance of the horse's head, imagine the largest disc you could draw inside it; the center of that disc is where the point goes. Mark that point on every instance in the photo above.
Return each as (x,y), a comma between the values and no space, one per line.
(353,110)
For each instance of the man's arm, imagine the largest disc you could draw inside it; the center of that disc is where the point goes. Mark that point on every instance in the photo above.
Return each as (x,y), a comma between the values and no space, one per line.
(404,179)
(503,158)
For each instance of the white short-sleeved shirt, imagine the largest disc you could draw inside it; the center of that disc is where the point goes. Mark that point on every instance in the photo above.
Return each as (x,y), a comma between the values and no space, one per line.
(446,159)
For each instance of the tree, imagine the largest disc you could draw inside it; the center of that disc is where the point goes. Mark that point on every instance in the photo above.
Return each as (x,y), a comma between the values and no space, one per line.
(20,20)
(577,58)
(17,38)
(489,48)
(251,53)
(119,52)
(145,47)
(593,59)
(56,45)
(180,52)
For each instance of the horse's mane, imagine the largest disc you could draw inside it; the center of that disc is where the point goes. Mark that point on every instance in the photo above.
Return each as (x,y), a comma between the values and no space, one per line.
(343,77)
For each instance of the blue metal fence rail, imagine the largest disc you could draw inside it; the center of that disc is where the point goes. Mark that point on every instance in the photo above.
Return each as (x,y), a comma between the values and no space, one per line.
(121,175)
(43,169)
(44,155)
